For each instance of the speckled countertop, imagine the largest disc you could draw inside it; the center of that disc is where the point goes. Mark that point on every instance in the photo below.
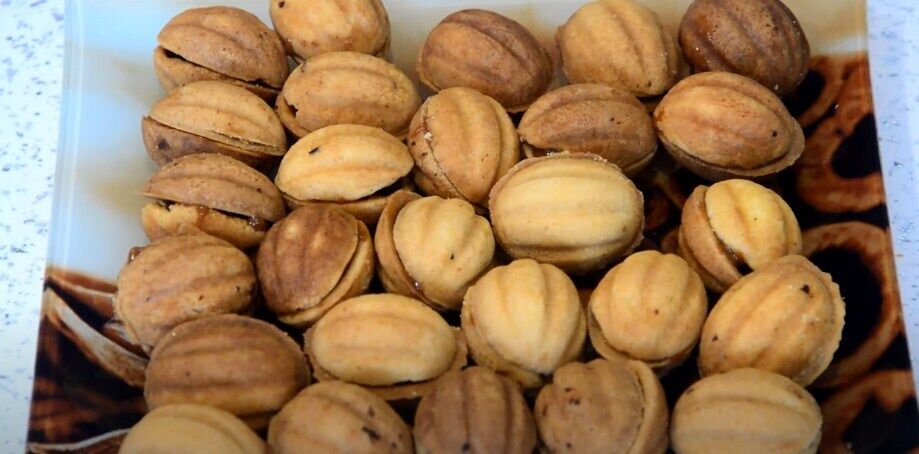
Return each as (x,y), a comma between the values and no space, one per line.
(31,57)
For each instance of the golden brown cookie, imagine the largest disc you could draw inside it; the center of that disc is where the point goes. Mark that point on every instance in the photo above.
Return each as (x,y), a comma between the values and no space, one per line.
(488,52)
(524,320)
(760,39)
(213,117)
(353,167)
(214,194)
(393,345)
(474,411)
(745,410)
(337,417)
(603,406)
(220,43)
(312,27)
(721,125)
(316,257)
(462,142)
(590,118)
(620,43)
(347,88)
(785,318)
(191,428)
(575,211)
(735,226)
(245,366)
(432,249)
(648,308)
(178,279)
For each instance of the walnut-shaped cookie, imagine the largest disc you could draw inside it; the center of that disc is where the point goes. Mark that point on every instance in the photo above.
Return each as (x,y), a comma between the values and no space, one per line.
(431,248)
(786,318)
(353,167)
(746,410)
(650,308)
(317,256)
(462,142)
(393,345)
(603,406)
(721,125)
(620,43)
(245,366)
(760,39)
(474,411)
(187,428)
(338,417)
(591,118)
(312,27)
(214,194)
(575,211)
(524,320)
(735,226)
(488,52)
(347,88)
(178,279)
(213,117)
(220,43)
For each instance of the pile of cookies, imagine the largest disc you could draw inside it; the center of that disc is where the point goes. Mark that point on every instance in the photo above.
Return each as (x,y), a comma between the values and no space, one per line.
(340,265)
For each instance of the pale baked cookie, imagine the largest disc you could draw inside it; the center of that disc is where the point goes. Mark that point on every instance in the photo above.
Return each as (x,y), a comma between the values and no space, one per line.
(620,43)
(746,410)
(353,167)
(603,406)
(312,27)
(733,227)
(649,308)
(316,257)
(191,428)
(524,320)
(575,211)
(786,318)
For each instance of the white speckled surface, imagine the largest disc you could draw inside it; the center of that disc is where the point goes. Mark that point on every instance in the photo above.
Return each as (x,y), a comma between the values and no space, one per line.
(31,48)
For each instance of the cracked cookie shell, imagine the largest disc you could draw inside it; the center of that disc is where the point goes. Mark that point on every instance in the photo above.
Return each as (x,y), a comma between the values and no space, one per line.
(591,118)
(785,318)
(721,125)
(462,142)
(393,345)
(213,194)
(338,417)
(213,117)
(347,88)
(735,226)
(220,43)
(432,249)
(746,410)
(353,167)
(649,308)
(316,257)
(760,39)
(575,211)
(620,43)
(475,411)
(488,52)
(179,279)
(603,406)
(186,428)
(524,320)
(245,366)
(312,27)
